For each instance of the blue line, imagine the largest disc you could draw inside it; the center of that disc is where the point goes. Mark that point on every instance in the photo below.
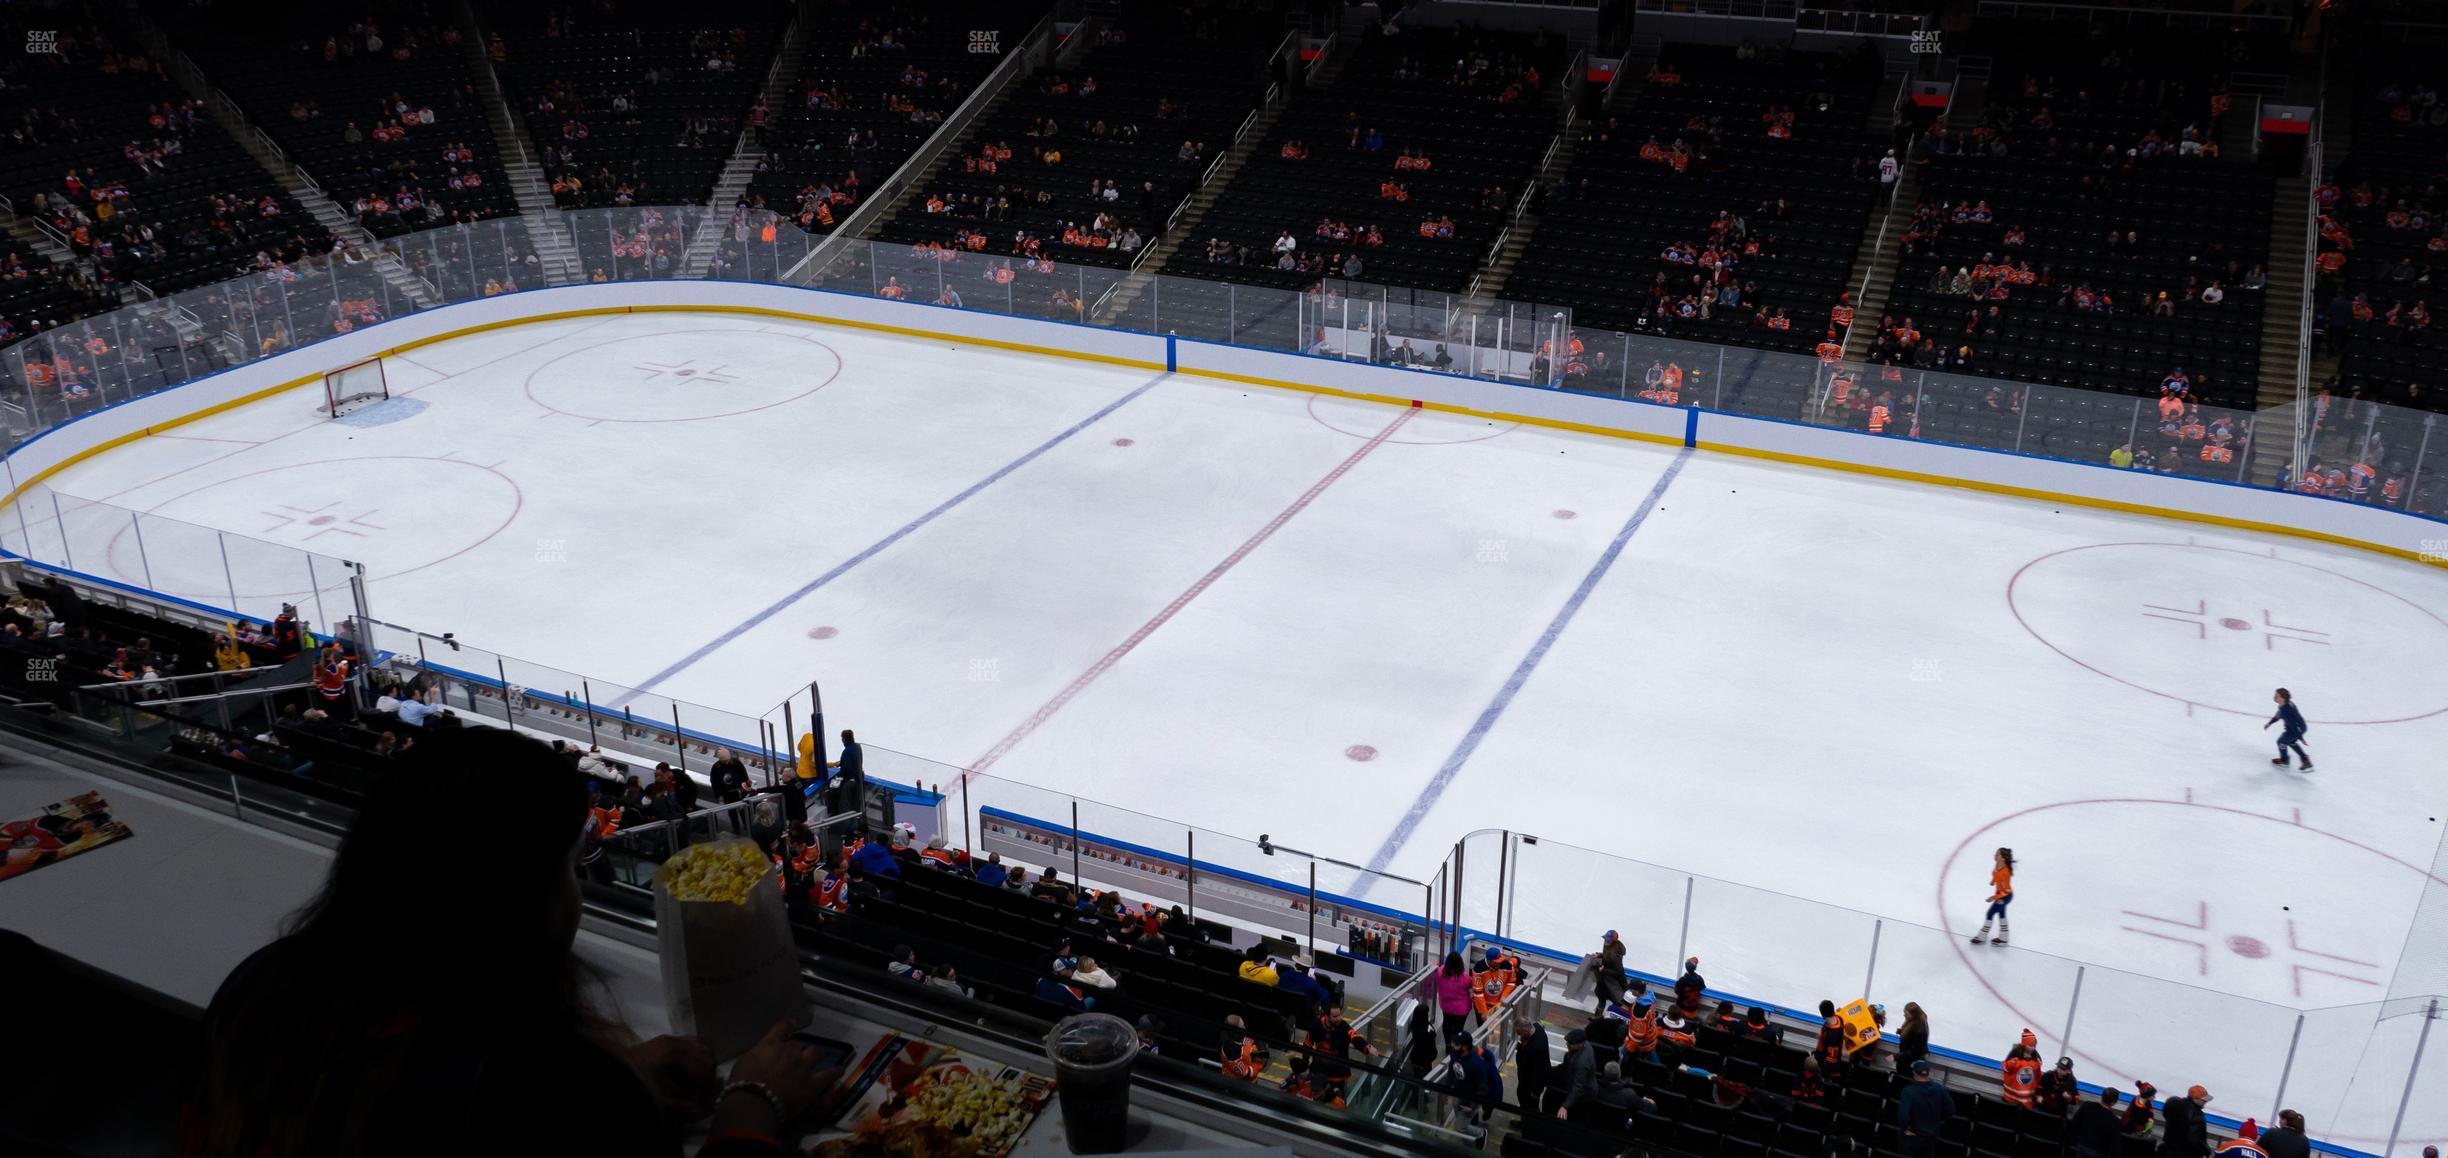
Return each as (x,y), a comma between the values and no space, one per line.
(1521,674)
(905,530)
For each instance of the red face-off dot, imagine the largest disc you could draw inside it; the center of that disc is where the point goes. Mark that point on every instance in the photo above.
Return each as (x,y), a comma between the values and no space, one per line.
(2231,623)
(1360,752)
(823,632)
(2243,946)
(1568,514)
(1123,441)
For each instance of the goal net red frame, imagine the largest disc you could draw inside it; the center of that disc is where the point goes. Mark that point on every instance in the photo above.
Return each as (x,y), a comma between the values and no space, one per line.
(354,387)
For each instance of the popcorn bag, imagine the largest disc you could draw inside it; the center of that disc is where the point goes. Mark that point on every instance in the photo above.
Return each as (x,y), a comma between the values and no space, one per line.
(729,967)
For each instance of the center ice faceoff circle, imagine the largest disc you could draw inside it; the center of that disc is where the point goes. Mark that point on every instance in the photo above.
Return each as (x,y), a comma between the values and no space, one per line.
(2218,628)
(683,375)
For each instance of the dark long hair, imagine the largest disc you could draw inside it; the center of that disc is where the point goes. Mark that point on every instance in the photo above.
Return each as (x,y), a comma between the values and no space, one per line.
(445,918)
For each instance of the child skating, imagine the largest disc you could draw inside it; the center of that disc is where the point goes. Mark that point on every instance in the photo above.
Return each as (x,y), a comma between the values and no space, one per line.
(2292,736)
(2001,894)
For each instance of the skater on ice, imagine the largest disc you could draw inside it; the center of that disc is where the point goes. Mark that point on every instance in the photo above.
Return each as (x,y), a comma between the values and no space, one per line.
(2001,894)
(2292,736)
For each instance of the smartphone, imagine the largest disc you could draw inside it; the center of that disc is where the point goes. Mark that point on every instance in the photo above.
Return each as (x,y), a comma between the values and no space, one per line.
(830,1054)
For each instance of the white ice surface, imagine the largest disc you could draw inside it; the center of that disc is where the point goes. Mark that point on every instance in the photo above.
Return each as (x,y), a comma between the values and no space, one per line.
(1789,682)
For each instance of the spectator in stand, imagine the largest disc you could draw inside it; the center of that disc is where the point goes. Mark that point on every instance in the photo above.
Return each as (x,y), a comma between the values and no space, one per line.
(850,774)
(1470,1079)
(730,777)
(2019,1076)
(1453,995)
(992,874)
(2188,1133)
(1533,1063)
(1609,963)
(876,860)
(1574,1080)
(1912,1038)
(1059,989)
(659,802)
(946,978)
(1242,1059)
(1299,980)
(1923,1110)
(1690,987)
(1051,889)
(2286,1139)
(1255,966)
(368,1031)
(2093,1133)
(2059,1092)
(1757,1027)
(1088,973)
(680,785)
(2138,1112)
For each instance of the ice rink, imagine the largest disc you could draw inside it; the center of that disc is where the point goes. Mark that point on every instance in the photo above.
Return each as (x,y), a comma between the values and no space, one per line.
(1368,631)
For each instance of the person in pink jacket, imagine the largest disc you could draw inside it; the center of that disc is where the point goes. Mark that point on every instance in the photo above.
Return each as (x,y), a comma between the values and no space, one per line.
(1453,995)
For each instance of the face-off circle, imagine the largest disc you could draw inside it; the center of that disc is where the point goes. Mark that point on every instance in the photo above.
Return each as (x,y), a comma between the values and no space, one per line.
(683,375)
(2193,936)
(396,514)
(2218,628)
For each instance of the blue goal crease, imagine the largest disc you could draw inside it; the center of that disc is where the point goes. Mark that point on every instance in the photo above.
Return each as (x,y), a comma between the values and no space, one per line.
(902,532)
(1513,684)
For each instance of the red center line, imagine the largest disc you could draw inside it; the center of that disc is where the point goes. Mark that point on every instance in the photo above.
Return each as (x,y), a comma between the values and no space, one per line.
(1006,744)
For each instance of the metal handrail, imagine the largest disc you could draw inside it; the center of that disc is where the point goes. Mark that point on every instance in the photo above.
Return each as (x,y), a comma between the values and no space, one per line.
(1878,248)
(954,127)
(202,699)
(107,685)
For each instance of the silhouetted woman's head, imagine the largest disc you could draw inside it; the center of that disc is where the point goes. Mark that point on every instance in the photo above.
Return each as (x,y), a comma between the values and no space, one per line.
(462,861)
(443,930)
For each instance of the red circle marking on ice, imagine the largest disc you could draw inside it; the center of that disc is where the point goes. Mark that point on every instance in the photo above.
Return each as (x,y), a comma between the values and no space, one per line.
(2011,606)
(1360,752)
(823,632)
(1955,938)
(1568,514)
(1124,442)
(2232,623)
(2251,947)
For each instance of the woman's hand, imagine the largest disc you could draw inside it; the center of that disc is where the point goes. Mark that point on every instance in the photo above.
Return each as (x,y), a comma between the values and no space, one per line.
(783,1065)
(679,1072)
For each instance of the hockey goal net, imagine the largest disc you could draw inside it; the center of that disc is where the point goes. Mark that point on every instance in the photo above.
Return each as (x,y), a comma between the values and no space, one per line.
(354,387)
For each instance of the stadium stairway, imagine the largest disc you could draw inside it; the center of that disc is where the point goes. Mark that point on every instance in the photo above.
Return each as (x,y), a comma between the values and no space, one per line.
(536,207)
(1875,264)
(293,179)
(741,168)
(1489,282)
(22,227)
(1164,246)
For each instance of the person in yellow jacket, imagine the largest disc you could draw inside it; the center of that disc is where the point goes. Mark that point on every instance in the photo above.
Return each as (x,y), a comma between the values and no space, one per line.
(227,655)
(1256,966)
(807,757)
